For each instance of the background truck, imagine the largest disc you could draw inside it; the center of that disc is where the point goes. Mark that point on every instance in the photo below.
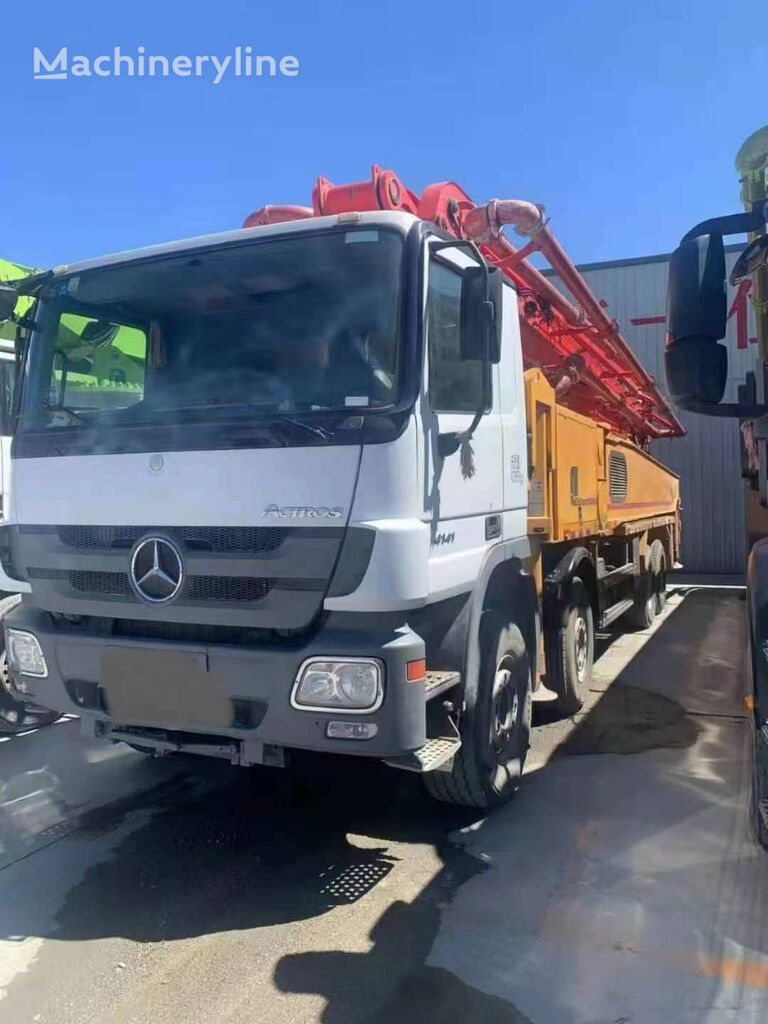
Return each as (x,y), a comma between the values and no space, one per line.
(356,478)
(15,716)
(697,371)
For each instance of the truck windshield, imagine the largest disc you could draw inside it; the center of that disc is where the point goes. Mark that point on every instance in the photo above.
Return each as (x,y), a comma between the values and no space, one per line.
(282,327)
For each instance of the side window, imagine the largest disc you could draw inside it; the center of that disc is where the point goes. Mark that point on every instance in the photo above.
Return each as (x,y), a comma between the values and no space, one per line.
(97,365)
(455,384)
(7,377)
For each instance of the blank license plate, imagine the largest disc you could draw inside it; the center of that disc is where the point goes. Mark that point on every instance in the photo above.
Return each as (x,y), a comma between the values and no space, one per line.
(170,688)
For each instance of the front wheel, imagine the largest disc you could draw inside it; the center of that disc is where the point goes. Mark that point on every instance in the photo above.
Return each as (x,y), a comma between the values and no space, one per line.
(15,716)
(495,726)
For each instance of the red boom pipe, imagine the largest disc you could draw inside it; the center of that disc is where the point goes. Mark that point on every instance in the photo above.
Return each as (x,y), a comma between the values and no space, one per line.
(277,215)
(485,223)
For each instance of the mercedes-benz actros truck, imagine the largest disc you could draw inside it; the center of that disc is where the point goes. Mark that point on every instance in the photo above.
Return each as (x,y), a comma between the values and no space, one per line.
(356,478)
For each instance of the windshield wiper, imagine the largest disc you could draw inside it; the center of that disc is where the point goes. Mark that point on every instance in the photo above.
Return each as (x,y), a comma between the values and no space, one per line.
(284,420)
(266,418)
(308,428)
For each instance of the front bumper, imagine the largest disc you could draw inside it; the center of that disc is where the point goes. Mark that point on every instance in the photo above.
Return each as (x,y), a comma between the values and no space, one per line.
(233,699)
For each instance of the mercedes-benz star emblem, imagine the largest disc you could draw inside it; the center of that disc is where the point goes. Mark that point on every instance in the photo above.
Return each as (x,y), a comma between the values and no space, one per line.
(157,571)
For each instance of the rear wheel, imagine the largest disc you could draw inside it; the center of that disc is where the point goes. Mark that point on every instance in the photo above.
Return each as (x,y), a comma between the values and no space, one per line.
(574,650)
(658,561)
(16,717)
(650,589)
(496,724)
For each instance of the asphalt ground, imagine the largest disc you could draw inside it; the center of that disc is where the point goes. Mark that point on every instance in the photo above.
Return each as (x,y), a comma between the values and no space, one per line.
(622,885)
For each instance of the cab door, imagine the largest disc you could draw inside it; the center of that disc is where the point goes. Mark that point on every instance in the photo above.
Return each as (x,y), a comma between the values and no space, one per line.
(464,491)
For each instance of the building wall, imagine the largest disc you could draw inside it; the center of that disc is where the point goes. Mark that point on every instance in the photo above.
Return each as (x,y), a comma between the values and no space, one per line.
(708,459)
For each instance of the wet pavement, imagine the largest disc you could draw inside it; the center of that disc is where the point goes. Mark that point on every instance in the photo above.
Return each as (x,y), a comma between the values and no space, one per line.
(621,885)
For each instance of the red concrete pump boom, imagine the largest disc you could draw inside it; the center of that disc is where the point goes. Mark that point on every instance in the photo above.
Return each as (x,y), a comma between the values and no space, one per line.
(576,344)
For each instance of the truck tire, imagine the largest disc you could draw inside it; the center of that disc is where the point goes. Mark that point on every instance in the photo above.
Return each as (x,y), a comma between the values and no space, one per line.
(658,560)
(650,595)
(573,650)
(495,726)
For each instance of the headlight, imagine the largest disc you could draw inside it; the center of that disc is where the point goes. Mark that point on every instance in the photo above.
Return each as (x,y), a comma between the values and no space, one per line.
(352,685)
(25,655)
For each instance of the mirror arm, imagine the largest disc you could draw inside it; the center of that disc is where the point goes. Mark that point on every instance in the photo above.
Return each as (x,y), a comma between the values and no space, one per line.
(24,322)
(732,224)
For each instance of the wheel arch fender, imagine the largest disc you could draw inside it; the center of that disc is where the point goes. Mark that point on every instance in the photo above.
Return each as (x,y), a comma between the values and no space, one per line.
(575,562)
(504,586)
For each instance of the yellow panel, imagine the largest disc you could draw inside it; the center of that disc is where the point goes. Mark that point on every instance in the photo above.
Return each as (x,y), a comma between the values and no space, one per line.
(652,489)
(570,473)
(539,417)
(579,444)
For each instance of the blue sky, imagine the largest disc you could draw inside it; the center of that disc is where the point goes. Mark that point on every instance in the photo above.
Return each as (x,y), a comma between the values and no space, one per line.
(623,118)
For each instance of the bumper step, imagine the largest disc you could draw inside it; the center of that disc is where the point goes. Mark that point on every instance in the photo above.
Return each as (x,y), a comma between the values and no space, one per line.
(435,756)
(439,682)
(438,752)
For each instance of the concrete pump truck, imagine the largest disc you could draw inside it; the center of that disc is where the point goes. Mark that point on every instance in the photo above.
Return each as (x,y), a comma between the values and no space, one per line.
(356,478)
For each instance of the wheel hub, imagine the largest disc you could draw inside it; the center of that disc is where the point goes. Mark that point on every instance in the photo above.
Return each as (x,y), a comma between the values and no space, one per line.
(506,707)
(581,647)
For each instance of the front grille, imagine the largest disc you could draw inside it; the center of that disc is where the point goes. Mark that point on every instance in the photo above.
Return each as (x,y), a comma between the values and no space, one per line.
(266,577)
(200,588)
(183,632)
(228,588)
(231,539)
(100,582)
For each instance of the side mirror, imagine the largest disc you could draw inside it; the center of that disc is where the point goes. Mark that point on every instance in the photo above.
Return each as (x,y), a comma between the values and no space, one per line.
(496,295)
(696,365)
(8,299)
(750,259)
(481,298)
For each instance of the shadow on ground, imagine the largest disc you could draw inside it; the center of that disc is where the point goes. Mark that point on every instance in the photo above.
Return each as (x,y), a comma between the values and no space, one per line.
(265,848)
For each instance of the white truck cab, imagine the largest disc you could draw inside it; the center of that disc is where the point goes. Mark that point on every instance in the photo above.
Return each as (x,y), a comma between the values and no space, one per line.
(270,490)
(261,480)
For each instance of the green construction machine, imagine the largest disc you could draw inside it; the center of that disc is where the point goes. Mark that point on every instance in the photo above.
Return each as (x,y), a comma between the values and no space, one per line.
(15,716)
